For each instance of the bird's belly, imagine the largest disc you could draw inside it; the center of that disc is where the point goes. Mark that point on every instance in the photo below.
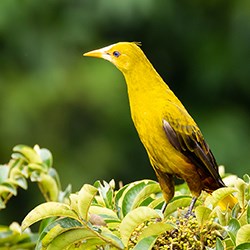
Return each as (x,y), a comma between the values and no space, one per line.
(162,154)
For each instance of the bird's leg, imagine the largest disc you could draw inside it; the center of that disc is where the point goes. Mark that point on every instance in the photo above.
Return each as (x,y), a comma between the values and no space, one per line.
(167,186)
(164,206)
(189,212)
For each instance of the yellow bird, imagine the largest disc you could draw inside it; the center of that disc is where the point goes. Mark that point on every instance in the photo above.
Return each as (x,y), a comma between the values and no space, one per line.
(172,139)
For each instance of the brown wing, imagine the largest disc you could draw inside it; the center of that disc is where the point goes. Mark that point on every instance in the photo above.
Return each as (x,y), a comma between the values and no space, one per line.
(185,136)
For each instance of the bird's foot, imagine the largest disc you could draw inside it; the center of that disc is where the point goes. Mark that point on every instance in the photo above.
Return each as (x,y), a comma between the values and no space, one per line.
(188,214)
(190,209)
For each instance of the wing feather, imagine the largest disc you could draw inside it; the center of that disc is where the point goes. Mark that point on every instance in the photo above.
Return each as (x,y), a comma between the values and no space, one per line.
(187,138)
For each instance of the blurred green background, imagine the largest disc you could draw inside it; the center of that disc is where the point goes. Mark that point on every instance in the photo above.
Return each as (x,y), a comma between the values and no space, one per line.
(77,107)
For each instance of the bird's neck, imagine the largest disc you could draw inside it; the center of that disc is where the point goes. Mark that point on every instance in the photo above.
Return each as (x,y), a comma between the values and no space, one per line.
(144,80)
(146,90)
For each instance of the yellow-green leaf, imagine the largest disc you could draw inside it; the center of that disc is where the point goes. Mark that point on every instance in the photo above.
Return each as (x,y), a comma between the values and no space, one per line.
(202,214)
(240,185)
(85,196)
(46,210)
(54,228)
(233,227)
(66,239)
(148,190)
(155,229)
(126,196)
(146,243)
(52,234)
(106,214)
(133,219)
(89,244)
(182,201)
(243,234)
(157,202)
(243,246)
(29,153)
(48,187)
(218,195)
(111,238)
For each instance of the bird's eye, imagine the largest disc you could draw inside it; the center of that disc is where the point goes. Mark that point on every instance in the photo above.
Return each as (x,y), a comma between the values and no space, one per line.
(116,53)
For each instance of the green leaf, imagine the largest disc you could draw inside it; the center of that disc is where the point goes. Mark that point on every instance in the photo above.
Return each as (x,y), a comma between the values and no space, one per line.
(233,227)
(51,235)
(12,238)
(243,218)
(219,244)
(241,186)
(248,213)
(90,244)
(8,187)
(16,170)
(202,215)
(146,243)
(243,234)
(130,195)
(21,182)
(221,215)
(85,197)
(63,195)
(118,199)
(106,192)
(107,214)
(53,173)
(32,167)
(45,156)
(2,203)
(111,238)
(177,202)
(44,223)
(156,229)
(29,153)
(218,196)
(243,246)
(228,244)
(236,210)
(66,239)
(48,186)
(73,201)
(17,157)
(157,203)
(246,178)
(133,219)
(35,176)
(46,210)
(55,228)
(151,188)
(7,235)
(4,172)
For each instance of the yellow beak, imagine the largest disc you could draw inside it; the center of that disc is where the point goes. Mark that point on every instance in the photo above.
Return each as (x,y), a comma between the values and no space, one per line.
(101,53)
(94,53)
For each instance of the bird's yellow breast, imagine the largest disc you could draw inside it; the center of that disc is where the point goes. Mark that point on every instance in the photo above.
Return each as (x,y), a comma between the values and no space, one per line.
(148,110)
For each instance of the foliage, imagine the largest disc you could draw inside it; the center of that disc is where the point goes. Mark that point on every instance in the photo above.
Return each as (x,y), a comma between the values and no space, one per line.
(77,107)
(27,163)
(102,216)
(50,94)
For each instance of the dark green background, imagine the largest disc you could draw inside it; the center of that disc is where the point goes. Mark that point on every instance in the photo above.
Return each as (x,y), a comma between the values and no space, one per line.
(77,107)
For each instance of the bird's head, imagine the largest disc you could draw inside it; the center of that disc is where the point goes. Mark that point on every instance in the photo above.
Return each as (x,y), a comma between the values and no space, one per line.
(124,55)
